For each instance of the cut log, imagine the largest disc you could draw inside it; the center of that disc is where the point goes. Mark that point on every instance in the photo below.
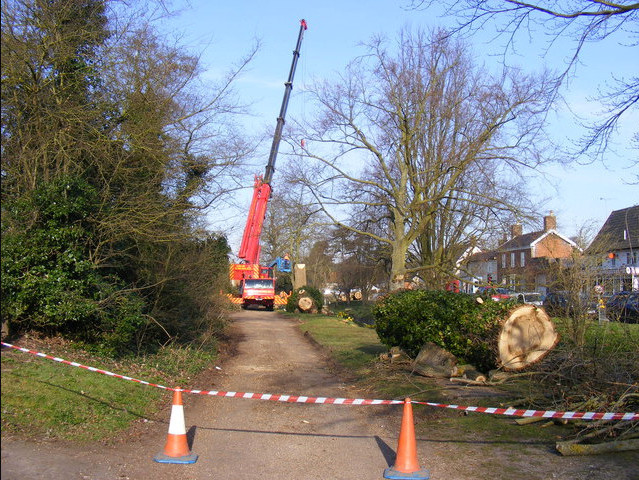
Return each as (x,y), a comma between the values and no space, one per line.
(571,448)
(472,374)
(305,304)
(528,420)
(526,337)
(433,361)
(397,355)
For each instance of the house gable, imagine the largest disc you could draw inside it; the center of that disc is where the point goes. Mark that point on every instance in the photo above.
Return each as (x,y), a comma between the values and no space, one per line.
(552,244)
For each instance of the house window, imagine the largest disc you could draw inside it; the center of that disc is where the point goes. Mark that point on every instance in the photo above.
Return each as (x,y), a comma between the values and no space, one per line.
(512,259)
(503,260)
(522,259)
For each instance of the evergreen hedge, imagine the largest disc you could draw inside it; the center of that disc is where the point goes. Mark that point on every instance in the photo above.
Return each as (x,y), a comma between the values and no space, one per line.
(454,321)
(314,293)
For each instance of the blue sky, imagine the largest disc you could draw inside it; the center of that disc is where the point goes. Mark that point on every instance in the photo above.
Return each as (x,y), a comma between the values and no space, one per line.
(222,31)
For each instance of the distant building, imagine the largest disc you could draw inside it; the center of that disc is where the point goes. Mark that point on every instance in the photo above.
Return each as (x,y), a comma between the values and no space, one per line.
(616,249)
(480,269)
(522,262)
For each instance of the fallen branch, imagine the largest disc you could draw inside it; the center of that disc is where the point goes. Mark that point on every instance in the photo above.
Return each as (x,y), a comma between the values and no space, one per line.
(569,448)
(467,381)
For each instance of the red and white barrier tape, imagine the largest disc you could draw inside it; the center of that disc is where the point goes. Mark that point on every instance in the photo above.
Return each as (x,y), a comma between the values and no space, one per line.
(350,401)
(539,413)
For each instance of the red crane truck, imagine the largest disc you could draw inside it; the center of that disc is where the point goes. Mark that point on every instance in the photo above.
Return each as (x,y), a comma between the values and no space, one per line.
(256,282)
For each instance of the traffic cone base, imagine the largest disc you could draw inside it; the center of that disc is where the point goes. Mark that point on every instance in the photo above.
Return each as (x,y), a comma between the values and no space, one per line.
(162,458)
(406,466)
(396,474)
(176,449)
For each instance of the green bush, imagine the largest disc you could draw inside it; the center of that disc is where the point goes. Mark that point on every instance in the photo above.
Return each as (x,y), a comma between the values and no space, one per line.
(283,282)
(49,283)
(314,293)
(454,321)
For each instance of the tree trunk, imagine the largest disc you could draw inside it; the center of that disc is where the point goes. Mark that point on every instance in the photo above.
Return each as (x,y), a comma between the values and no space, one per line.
(526,337)
(305,304)
(571,448)
(433,361)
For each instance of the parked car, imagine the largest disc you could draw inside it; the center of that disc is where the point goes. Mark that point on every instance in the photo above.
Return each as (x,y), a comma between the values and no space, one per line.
(531,298)
(559,304)
(496,293)
(623,306)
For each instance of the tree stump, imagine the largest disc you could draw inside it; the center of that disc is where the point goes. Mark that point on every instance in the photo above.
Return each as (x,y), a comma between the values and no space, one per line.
(526,337)
(433,361)
(305,304)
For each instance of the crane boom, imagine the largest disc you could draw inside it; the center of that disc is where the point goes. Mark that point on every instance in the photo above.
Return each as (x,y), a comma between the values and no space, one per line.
(270,166)
(250,247)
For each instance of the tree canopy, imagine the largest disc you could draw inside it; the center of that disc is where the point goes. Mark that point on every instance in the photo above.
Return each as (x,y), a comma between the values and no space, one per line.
(111,151)
(420,145)
(568,25)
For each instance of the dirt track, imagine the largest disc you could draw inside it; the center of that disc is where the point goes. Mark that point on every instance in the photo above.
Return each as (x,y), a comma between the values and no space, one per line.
(255,439)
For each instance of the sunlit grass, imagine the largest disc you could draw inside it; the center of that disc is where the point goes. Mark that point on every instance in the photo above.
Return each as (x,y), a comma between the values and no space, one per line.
(45,399)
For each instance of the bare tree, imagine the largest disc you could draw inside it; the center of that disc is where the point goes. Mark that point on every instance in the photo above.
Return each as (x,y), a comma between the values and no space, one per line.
(292,224)
(421,136)
(319,264)
(582,21)
(360,262)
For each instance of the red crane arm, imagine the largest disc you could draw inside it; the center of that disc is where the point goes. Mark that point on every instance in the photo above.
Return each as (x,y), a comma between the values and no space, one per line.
(250,247)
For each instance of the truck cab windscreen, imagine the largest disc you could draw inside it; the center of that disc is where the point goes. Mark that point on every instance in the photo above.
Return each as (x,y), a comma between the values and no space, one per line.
(258,283)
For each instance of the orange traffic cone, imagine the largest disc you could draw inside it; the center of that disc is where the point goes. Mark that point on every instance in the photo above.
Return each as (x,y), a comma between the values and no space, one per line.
(406,466)
(176,449)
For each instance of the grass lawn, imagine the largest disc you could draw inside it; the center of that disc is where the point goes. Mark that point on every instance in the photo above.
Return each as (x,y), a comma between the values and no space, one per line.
(46,399)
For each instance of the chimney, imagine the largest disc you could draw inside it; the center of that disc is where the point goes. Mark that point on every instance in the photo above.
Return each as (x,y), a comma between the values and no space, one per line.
(515,230)
(550,222)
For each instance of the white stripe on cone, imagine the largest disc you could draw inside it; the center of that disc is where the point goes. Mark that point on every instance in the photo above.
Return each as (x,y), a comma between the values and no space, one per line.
(176,424)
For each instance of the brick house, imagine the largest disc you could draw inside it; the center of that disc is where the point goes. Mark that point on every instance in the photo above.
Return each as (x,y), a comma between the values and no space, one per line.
(616,251)
(521,262)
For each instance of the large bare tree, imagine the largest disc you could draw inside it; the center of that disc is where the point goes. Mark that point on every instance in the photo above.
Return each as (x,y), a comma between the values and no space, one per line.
(417,136)
(568,25)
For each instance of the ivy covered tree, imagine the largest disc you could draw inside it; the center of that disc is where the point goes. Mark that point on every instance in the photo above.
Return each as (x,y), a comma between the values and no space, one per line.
(107,122)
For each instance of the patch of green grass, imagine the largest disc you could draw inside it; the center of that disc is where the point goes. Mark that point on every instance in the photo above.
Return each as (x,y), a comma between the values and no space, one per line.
(609,336)
(354,347)
(46,399)
(359,310)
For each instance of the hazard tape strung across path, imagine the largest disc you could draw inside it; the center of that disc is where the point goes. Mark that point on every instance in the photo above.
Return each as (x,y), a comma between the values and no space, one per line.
(538,413)
(349,401)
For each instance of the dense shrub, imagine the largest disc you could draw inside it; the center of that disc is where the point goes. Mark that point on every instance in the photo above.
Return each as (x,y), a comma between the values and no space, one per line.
(49,283)
(314,293)
(283,282)
(453,321)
